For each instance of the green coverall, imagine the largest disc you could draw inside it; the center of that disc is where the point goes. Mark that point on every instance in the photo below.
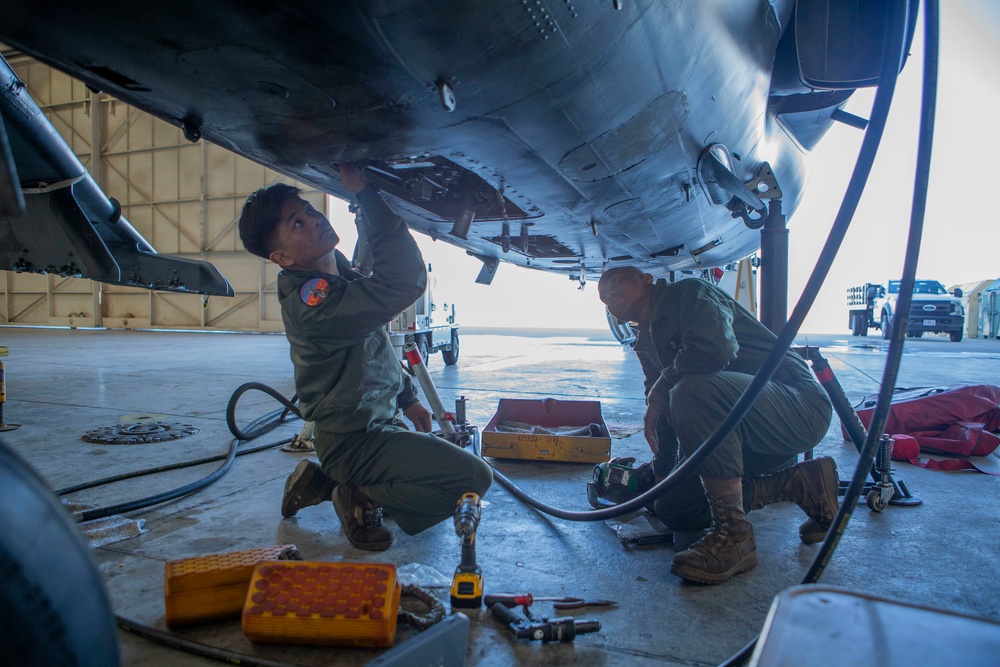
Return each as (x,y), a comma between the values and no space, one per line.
(350,382)
(701,351)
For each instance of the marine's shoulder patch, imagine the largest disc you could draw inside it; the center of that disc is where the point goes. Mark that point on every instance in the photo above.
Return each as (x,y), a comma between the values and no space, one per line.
(314,291)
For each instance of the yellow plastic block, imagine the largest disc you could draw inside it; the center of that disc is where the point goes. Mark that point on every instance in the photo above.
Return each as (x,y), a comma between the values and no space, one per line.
(336,604)
(208,588)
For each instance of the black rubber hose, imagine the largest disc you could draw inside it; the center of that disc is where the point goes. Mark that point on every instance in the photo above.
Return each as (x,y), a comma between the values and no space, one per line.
(866,157)
(784,341)
(266,423)
(165,468)
(257,428)
(133,505)
(918,210)
(204,650)
(894,355)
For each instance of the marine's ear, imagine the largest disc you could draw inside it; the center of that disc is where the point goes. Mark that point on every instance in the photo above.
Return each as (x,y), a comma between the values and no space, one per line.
(280,258)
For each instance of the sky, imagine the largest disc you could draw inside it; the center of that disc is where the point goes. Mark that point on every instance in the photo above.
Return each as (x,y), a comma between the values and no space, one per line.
(961,237)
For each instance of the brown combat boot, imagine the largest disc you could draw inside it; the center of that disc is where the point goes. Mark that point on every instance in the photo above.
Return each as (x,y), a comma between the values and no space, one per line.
(812,485)
(308,485)
(362,519)
(729,548)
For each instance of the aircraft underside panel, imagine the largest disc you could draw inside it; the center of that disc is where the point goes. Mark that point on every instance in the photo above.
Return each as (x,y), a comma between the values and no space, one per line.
(535,133)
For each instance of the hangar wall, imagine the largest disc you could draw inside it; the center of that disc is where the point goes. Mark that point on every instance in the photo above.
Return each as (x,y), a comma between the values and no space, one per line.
(183,197)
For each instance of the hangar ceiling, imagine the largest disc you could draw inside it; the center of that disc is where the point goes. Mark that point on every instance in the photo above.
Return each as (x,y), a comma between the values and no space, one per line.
(183,197)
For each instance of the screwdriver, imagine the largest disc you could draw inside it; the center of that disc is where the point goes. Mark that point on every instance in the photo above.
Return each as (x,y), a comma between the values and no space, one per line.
(512,600)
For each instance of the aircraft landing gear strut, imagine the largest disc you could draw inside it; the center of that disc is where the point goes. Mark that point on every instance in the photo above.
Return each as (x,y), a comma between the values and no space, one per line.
(774,268)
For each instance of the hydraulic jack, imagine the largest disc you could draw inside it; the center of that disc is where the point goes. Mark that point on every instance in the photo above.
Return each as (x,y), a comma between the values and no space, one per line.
(878,490)
(453,426)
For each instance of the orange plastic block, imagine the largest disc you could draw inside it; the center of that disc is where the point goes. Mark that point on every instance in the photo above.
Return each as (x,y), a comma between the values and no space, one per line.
(208,588)
(341,604)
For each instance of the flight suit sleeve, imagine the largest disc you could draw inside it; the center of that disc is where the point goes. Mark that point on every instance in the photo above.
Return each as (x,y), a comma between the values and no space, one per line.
(367,303)
(408,395)
(703,341)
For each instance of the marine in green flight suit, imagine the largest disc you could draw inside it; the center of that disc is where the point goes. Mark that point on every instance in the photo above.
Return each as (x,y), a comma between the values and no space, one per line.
(699,350)
(347,375)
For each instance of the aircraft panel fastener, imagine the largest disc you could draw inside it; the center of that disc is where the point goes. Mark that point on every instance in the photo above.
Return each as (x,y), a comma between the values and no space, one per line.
(447,96)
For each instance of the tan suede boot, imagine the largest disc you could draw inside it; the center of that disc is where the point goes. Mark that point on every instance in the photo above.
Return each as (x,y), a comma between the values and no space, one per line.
(812,485)
(308,485)
(362,519)
(729,548)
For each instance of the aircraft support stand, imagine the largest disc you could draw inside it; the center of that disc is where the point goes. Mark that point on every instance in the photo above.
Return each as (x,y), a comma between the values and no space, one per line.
(774,268)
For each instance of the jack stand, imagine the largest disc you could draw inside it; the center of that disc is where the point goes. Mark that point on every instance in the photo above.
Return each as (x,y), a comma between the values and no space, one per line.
(882,492)
(4,426)
(880,472)
(464,433)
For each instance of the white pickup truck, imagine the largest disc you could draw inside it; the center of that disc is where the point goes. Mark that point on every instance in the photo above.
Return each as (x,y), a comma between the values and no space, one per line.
(933,309)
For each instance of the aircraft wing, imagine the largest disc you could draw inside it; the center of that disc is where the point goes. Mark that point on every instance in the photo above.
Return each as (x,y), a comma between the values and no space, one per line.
(54,218)
(560,136)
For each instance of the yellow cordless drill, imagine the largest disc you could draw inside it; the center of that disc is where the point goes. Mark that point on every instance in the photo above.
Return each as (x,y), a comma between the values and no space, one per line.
(467,584)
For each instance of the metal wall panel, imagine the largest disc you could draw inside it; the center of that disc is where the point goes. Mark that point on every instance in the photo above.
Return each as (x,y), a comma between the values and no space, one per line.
(183,197)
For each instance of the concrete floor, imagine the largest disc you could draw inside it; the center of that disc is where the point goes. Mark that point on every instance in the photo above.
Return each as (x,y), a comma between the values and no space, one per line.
(61,384)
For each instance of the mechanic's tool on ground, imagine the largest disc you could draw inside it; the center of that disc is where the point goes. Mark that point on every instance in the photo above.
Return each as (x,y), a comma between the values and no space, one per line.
(562,629)
(465,433)
(617,481)
(580,603)
(647,540)
(214,587)
(444,419)
(511,600)
(467,584)
(333,604)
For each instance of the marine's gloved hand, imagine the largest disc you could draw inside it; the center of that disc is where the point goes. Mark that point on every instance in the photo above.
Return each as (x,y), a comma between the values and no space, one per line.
(420,416)
(649,428)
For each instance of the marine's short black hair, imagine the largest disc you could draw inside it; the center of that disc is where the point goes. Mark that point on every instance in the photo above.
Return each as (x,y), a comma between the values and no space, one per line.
(260,217)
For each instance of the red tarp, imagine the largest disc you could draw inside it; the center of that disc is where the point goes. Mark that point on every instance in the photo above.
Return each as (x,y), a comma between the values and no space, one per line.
(950,420)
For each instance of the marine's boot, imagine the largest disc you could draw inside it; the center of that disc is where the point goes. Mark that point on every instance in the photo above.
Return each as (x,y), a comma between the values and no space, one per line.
(308,485)
(729,547)
(812,485)
(362,519)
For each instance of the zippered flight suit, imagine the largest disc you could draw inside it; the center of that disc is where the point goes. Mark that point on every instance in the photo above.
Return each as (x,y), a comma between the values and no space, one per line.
(350,382)
(699,355)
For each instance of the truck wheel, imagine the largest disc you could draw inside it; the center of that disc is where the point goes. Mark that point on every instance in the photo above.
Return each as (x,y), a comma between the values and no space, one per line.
(858,327)
(886,332)
(956,336)
(423,347)
(451,356)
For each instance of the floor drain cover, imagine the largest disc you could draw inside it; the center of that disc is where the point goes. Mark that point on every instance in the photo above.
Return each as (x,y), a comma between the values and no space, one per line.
(139,433)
